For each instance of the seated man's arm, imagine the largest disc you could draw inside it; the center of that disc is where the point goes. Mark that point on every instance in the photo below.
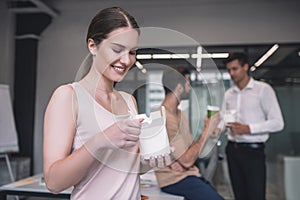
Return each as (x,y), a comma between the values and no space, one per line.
(188,158)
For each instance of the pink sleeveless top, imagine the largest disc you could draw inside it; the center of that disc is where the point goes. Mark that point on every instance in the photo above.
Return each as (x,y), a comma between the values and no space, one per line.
(114,174)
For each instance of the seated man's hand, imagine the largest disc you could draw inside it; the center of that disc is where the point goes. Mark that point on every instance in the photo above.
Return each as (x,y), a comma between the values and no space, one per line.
(216,133)
(176,166)
(213,121)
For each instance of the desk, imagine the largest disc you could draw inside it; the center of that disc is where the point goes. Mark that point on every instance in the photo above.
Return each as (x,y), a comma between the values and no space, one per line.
(149,188)
(31,187)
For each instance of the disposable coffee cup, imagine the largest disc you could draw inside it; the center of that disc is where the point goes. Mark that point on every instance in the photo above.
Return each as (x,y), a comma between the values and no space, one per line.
(212,110)
(230,116)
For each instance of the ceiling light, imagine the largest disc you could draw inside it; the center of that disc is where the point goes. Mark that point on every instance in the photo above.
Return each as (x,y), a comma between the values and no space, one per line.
(266,55)
(299,53)
(219,55)
(199,59)
(198,56)
(161,56)
(144,56)
(253,68)
(193,76)
(180,56)
(139,65)
(211,55)
(144,71)
(226,76)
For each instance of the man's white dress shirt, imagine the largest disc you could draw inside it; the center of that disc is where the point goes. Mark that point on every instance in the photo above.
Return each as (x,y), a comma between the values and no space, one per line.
(256,105)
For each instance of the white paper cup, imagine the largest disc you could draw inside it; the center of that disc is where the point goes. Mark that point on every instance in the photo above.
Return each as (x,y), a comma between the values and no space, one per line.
(230,116)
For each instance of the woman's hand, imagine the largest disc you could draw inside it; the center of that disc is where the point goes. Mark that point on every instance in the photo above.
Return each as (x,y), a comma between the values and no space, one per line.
(159,161)
(124,133)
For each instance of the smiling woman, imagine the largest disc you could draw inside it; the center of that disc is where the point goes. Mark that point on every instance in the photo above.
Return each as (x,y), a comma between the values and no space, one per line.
(115,54)
(90,139)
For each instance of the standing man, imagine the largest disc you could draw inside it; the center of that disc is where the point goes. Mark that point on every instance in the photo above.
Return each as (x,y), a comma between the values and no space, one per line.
(182,177)
(257,114)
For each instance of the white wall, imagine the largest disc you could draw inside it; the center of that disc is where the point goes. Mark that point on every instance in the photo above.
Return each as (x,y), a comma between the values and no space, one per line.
(62,45)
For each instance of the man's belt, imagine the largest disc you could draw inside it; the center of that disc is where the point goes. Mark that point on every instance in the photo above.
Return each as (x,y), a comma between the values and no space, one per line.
(253,145)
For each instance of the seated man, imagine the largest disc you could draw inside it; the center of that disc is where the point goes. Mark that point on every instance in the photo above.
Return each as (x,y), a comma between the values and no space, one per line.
(182,177)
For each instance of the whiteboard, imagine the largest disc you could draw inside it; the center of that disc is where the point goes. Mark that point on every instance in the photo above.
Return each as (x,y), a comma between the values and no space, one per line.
(8,133)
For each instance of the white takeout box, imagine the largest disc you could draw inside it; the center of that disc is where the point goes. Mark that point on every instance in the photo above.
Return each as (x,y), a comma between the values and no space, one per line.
(154,139)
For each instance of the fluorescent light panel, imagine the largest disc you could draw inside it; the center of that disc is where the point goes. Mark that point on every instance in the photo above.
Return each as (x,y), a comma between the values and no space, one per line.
(161,56)
(182,56)
(139,65)
(144,56)
(266,55)
(144,71)
(219,55)
(253,68)
(195,55)
(210,55)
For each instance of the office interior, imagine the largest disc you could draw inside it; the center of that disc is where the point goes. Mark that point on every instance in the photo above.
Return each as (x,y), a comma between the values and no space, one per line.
(43,46)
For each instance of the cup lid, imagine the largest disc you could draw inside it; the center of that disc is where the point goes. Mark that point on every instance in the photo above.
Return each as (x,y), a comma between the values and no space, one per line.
(214,108)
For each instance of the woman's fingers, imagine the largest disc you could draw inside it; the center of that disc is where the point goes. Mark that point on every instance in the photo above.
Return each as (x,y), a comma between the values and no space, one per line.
(130,126)
(168,160)
(152,162)
(160,162)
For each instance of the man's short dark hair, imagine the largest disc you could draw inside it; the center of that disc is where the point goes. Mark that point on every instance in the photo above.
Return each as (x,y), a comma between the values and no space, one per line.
(241,57)
(174,76)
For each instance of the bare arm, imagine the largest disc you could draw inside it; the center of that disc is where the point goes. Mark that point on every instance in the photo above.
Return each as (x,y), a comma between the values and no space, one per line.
(190,156)
(61,168)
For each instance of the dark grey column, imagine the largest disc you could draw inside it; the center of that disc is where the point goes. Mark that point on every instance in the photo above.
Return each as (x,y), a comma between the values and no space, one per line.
(28,29)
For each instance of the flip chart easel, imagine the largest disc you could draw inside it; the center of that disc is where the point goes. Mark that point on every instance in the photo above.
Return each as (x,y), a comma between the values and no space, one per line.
(8,133)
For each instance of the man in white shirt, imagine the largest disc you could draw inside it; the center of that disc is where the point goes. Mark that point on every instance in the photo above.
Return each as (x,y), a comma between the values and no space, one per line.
(257,113)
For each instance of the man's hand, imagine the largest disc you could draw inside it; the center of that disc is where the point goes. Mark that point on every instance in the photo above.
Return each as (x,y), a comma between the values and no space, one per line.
(212,122)
(238,128)
(176,166)
(216,133)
